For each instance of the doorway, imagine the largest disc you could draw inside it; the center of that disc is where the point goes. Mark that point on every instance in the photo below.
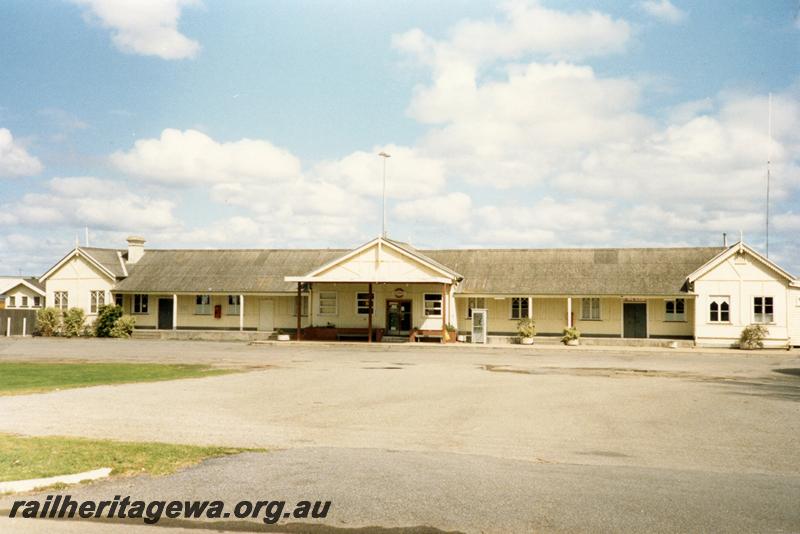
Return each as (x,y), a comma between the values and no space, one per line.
(634,319)
(266,315)
(398,317)
(165,314)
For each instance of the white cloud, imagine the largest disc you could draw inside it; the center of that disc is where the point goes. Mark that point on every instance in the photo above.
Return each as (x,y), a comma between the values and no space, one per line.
(408,172)
(74,202)
(663,10)
(452,209)
(191,158)
(527,28)
(14,159)
(145,27)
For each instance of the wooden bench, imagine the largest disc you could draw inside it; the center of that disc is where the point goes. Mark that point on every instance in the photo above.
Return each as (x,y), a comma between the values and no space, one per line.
(420,335)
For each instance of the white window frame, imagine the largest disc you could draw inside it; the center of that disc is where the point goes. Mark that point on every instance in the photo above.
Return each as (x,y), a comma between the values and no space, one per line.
(523,303)
(119,297)
(432,307)
(303,306)
(764,317)
(363,303)
(475,303)
(23,301)
(141,304)
(37,302)
(61,300)
(591,309)
(328,303)
(97,298)
(674,316)
(202,304)
(234,305)
(11,302)
(719,300)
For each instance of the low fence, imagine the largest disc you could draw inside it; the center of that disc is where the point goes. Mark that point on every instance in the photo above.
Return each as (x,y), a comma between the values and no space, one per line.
(17,322)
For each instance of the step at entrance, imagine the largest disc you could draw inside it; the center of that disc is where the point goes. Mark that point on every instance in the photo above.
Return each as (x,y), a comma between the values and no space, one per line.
(394,339)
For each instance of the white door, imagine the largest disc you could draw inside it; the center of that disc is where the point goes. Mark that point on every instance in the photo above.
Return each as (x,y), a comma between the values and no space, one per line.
(266,315)
(479,320)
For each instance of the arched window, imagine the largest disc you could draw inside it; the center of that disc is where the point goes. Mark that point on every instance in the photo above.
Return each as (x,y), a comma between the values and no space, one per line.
(719,310)
(724,312)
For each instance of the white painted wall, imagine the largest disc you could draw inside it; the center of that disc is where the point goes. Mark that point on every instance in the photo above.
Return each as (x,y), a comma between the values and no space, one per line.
(741,277)
(78,277)
(18,293)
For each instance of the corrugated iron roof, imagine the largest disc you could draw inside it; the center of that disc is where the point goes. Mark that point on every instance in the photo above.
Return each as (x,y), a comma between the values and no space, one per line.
(613,271)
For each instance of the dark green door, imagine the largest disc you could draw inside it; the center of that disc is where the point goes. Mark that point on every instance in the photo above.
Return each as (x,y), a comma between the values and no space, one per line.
(165,314)
(635,319)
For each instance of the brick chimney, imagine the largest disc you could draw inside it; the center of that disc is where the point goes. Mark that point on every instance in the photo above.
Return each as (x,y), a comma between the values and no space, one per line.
(135,248)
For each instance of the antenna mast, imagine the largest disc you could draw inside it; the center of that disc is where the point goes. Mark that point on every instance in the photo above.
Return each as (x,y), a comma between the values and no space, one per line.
(769,158)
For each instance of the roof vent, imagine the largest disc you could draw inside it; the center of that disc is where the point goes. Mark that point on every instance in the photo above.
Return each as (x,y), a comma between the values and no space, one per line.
(135,248)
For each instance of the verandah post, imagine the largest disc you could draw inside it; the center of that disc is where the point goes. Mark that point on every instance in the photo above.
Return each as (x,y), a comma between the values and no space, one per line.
(369,315)
(444,312)
(299,310)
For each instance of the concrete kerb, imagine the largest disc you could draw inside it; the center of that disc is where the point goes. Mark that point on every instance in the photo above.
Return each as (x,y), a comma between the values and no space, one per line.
(529,348)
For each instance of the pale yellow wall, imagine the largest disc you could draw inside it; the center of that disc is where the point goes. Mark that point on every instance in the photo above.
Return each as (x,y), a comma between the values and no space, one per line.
(187,316)
(550,315)
(284,308)
(78,277)
(346,315)
(658,326)
(741,279)
(22,291)
(610,323)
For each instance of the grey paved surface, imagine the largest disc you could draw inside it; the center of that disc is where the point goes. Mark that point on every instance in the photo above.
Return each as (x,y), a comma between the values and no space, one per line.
(451,492)
(549,439)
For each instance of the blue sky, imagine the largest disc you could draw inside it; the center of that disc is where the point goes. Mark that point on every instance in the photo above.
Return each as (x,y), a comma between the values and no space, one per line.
(522,124)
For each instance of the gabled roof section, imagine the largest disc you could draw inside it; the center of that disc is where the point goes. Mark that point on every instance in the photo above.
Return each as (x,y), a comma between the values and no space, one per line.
(381,260)
(7,284)
(737,248)
(106,260)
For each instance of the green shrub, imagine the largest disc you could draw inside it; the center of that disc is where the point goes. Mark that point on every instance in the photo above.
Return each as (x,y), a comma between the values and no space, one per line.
(450,328)
(752,336)
(526,327)
(570,334)
(106,319)
(73,321)
(48,322)
(123,327)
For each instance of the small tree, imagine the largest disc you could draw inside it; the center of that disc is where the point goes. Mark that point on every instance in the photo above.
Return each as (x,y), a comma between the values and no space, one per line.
(123,327)
(752,336)
(106,318)
(48,322)
(74,320)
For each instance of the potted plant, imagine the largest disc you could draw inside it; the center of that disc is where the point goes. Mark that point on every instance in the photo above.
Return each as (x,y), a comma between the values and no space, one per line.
(452,332)
(282,336)
(527,329)
(752,337)
(571,336)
